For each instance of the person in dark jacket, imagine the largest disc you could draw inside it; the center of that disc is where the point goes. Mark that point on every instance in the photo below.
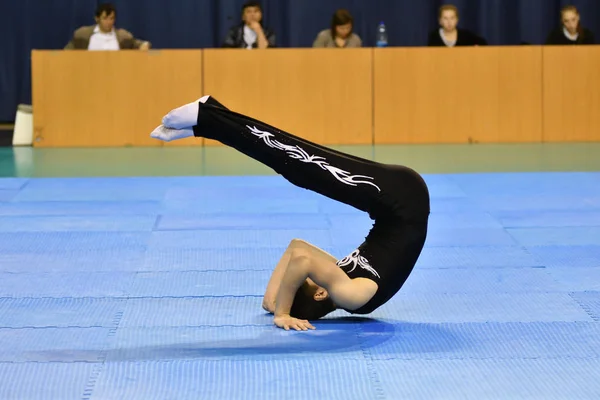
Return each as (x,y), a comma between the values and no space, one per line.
(570,31)
(449,35)
(250,33)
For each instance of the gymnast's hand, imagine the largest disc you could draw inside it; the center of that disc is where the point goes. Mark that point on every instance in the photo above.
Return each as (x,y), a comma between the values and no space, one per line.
(286,322)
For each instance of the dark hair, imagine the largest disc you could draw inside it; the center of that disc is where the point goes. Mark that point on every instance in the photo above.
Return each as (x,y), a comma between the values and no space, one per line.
(580,31)
(448,7)
(340,17)
(306,307)
(107,8)
(249,4)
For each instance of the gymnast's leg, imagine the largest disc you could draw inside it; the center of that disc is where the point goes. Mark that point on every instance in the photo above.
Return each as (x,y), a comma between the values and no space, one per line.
(336,175)
(181,121)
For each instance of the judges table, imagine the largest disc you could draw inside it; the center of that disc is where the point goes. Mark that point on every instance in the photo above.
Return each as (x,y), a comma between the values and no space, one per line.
(330,96)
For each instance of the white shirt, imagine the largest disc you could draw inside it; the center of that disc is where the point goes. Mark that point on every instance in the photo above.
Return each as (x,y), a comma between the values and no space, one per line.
(569,36)
(103,41)
(447,42)
(249,36)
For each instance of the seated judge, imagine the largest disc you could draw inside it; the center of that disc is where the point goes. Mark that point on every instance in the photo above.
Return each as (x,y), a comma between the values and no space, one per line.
(103,35)
(250,33)
(340,34)
(570,30)
(448,34)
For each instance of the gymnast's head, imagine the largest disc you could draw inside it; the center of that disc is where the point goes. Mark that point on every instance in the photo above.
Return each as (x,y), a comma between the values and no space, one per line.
(311,302)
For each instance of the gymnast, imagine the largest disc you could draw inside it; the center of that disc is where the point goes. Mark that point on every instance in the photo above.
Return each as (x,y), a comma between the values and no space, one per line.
(308,283)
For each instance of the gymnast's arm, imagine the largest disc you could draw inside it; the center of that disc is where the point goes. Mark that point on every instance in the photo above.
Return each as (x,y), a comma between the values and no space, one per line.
(346,293)
(268,303)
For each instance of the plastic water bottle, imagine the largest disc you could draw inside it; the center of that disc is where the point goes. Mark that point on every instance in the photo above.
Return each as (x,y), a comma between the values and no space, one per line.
(381,39)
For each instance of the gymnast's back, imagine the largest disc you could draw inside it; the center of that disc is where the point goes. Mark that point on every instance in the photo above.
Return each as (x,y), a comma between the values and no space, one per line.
(394,243)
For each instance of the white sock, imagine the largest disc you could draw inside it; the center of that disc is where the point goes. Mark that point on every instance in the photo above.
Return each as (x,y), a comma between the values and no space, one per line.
(183,117)
(168,134)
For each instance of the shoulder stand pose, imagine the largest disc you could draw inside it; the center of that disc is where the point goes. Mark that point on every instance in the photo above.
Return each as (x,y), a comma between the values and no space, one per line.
(309,283)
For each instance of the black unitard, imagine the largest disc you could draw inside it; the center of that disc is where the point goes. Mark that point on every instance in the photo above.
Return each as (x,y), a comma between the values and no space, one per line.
(394,196)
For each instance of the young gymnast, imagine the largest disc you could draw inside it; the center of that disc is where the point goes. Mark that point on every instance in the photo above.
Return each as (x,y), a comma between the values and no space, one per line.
(309,283)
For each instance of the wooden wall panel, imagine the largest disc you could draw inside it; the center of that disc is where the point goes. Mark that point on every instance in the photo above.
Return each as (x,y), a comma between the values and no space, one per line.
(322,95)
(94,99)
(571,93)
(329,96)
(457,95)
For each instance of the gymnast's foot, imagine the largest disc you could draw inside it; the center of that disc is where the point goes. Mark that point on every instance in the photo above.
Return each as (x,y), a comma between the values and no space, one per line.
(168,134)
(185,116)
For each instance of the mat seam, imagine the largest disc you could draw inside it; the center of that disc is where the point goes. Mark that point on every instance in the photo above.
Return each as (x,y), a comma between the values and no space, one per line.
(25,184)
(379,359)
(368,357)
(156,271)
(157,222)
(208,296)
(267,323)
(585,308)
(99,367)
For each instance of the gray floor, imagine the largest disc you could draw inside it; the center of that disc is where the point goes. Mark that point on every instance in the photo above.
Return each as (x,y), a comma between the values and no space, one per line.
(30,162)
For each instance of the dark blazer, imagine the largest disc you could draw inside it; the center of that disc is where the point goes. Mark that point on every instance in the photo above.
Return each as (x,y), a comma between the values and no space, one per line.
(235,37)
(557,37)
(463,38)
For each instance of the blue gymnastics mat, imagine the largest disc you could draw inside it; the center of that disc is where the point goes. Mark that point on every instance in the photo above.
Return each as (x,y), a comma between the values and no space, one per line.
(151,288)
